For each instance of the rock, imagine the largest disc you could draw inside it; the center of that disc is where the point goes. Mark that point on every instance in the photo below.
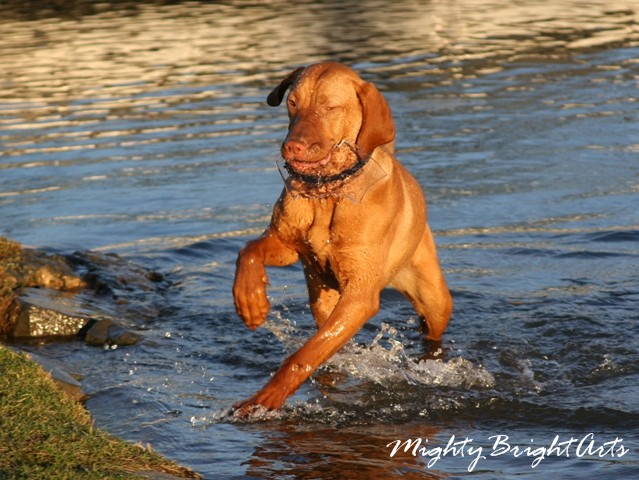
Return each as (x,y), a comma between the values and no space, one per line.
(97,332)
(110,273)
(43,295)
(22,268)
(107,332)
(42,312)
(49,271)
(125,290)
(118,335)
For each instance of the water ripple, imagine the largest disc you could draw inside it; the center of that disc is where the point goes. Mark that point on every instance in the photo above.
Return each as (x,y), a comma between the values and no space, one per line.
(140,127)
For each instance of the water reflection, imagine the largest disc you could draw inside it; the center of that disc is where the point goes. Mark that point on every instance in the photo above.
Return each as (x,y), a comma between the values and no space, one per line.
(80,76)
(81,50)
(294,451)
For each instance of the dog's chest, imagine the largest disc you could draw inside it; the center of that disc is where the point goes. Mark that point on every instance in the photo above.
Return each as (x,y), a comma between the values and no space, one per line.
(318,241)
(313,228)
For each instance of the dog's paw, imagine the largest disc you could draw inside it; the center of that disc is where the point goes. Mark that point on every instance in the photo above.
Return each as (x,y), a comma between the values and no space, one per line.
(251,302)
(266,399)
(253,307)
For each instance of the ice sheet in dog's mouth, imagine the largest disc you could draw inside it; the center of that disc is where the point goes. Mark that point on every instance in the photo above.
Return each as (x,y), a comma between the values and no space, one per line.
(346,188)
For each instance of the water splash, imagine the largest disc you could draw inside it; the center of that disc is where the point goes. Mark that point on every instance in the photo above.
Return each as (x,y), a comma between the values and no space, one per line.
(348,381)
(386,359)
(382,365)
(227,415)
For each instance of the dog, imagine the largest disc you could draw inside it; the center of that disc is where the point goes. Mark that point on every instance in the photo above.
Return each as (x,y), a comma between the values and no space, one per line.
(353,216)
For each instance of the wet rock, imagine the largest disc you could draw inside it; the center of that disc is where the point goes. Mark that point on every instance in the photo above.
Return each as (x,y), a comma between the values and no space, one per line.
(107,332)
(96,296)
(26,267)
(23,268)
(110,273)
(43,312)
(49,271)
(130,291)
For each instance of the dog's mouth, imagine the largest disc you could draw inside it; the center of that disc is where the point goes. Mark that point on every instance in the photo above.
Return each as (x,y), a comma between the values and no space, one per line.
(318,179)
(339,157)
(304,166)
(340,163)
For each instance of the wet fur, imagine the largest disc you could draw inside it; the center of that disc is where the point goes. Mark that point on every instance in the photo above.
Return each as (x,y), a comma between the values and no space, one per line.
(350,250)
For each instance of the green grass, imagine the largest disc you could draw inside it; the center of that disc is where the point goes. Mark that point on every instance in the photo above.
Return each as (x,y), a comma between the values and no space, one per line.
(45,435)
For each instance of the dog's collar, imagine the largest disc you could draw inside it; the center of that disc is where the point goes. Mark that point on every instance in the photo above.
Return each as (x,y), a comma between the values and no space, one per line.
(339,185)
(322,180)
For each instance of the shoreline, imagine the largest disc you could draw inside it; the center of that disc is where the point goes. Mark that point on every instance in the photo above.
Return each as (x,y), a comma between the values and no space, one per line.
(45,434)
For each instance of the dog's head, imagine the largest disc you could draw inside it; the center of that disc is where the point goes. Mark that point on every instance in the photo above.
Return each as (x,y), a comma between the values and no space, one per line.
(336,119)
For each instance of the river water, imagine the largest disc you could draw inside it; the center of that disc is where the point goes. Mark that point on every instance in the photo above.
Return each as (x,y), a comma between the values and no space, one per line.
(141,128)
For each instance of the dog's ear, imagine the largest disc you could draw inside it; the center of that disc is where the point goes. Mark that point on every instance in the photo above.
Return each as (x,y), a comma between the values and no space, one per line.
(377,122)
(277,94)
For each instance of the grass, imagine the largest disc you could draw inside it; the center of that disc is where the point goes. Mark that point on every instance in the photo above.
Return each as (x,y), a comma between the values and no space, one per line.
(43,434)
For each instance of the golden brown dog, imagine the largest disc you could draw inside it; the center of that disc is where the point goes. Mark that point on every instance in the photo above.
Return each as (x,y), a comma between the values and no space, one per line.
(351,213)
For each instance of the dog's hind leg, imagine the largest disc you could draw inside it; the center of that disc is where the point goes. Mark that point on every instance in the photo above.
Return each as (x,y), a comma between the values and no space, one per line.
(422,281)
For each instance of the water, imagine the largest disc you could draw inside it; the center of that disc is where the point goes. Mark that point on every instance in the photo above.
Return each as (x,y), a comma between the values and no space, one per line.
(141,129)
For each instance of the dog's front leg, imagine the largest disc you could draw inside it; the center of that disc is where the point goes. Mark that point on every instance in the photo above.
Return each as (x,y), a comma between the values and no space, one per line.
(353,310)
(249,288)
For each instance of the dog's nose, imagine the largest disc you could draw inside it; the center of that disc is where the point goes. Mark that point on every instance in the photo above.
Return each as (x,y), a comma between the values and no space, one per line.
(293,149)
